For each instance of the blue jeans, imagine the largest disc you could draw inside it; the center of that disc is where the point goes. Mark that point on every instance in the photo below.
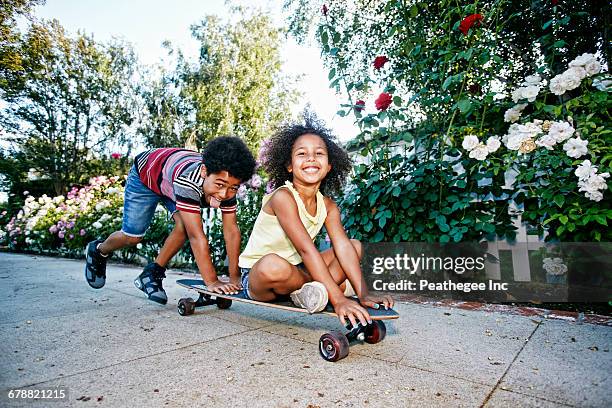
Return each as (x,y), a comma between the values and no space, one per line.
(139,203)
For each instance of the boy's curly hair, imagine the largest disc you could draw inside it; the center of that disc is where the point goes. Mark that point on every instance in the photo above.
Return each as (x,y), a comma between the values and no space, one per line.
(277,154)
(229,154)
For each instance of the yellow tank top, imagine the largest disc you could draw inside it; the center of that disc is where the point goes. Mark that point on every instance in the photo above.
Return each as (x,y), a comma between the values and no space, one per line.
(268,237)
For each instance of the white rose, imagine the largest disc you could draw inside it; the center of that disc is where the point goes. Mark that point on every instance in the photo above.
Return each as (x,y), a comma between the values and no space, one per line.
(556,85)
(597,181)
(561,131)
(532,80)
(531,92)
(546,141)
(594,195)
(579,72)
(576,147)
(585,170)
(582,60)
(470,142)
(592,67)
(513,114)
(493,144)
(570,80)
(480,152)
(515,140)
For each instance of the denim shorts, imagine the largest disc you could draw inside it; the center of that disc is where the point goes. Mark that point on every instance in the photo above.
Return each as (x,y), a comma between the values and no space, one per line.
(139,203)
(244,280)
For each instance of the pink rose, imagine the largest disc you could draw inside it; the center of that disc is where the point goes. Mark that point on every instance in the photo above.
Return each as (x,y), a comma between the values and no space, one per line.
(116,155)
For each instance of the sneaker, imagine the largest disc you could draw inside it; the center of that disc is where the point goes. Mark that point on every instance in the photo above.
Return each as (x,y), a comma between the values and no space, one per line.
(150,282)
(312,297)
(349,291)
(95,265)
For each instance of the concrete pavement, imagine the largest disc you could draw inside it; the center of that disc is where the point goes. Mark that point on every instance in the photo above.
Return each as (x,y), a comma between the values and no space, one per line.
(112,347)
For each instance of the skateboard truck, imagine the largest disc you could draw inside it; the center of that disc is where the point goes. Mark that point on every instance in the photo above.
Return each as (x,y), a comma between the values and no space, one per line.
(186,306)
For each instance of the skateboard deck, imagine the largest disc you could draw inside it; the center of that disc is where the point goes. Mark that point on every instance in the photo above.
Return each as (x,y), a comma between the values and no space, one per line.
(333,346)
(198,286)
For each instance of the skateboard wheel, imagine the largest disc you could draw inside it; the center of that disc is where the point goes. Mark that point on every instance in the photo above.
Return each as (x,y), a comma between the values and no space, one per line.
(333,346)
(186,306)
(375,332)
(223,303)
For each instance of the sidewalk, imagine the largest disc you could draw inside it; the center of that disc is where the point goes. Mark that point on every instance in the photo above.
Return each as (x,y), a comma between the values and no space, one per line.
(112,347)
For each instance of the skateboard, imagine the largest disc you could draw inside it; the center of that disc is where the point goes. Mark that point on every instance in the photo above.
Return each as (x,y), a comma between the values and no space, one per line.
(333,346)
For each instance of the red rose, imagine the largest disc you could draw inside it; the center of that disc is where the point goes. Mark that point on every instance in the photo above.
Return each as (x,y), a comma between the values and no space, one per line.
(555,2)
(116,156)
(380,61)
(324,10)
(468,22)
(359,105)
(383,101)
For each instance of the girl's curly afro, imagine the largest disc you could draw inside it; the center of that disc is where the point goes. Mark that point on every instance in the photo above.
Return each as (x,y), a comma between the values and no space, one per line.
(276,154)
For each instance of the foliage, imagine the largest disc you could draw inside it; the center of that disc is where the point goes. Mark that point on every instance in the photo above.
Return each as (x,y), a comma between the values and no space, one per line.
(235,88)
(446,71)
(66,98)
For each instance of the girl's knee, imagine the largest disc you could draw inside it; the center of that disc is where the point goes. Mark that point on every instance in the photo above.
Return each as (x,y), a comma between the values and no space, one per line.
(273,268)
(357,245)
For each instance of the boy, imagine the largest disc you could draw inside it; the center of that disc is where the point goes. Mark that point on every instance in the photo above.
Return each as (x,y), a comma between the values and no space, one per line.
(185,181)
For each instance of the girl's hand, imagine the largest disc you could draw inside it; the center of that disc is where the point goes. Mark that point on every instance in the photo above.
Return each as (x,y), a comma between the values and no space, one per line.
(375,301)
(225,288)
(346,308)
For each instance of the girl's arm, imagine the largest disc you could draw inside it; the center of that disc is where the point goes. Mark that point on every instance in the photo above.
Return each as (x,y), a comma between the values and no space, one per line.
(349,259)
(285,209)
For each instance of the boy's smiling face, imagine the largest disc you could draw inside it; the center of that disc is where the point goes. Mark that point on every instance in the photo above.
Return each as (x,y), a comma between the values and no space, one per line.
(309,159)
(219,187)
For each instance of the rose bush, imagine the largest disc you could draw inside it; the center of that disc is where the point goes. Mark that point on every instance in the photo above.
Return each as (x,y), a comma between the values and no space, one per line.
(460,134)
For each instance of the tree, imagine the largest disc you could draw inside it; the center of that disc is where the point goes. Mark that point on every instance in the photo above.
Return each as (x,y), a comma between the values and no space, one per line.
(67,99)
(235,88)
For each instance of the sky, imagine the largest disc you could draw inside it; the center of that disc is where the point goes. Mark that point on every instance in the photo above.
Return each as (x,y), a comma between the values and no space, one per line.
(147,23)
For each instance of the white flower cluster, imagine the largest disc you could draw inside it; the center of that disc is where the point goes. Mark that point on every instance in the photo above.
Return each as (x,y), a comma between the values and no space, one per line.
(479,150)
(529,89)
(526,137)
(590,181)
(554,266)
(581,67)
(102,205)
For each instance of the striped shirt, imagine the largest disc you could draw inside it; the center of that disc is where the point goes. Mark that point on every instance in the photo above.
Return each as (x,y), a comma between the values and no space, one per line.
(177,174)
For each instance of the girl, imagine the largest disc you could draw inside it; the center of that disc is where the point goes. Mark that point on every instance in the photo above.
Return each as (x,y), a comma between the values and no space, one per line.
(280,259)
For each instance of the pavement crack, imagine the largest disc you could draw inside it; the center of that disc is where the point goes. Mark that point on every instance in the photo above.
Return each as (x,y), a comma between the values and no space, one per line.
(497,384)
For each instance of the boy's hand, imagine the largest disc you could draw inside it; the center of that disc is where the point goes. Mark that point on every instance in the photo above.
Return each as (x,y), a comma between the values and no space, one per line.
(221,287)
(375,301)
(346,308)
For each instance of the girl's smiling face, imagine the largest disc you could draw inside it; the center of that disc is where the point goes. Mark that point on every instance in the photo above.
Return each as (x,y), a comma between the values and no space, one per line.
(309,159)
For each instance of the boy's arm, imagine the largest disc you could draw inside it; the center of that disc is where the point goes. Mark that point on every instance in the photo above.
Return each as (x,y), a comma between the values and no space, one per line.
(231,234)
(201,252)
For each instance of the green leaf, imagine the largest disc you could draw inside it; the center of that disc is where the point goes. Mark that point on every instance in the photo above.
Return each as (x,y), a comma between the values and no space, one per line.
(378,237)
(547,24)
(397,101)
(464,105)
(332,73)
(559,200)
(334,51)
(601,219)
(324,37)
(414,11)
(559,44)
(563,219)
(447,83)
